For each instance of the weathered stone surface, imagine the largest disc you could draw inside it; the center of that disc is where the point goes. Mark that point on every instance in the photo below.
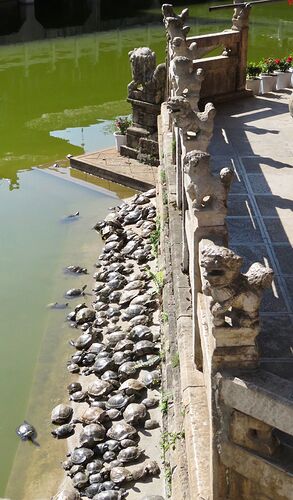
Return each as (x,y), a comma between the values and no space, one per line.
(253,434)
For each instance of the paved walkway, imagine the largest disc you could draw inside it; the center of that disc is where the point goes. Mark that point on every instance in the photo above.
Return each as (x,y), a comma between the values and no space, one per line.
(108,164)
(255,136)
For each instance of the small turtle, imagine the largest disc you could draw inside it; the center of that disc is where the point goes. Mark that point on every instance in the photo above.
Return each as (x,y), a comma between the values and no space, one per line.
(82,342)
(114,414)
(76,269)
(93,489)
(128,295)
(141,319)
(81,455)
(75,469)
(151,424)
(26,431)
(61,414)
(150,402)
(70,216)
(92,415)
(132,386)
(152,379)
(115,337)
(109,456)
(75,292)
(129,454)
(78,396)
(109,495)
(120,475)
(135,413)
(85,315)
(124,345)
(103,364)
(120,357)
(144,347)
(128,369)
(94,466)
(118,402)
(80,480)
(112,445)
(63,431)
(147,468)
(92,434)
(121,430)
(99,388)
(73,367)
(135,285)
(140,332)
(125,443)
(56,305)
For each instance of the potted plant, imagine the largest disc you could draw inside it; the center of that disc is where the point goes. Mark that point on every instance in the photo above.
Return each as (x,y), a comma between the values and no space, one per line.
(282,72)
(253,71)
(121,125)
(268,78)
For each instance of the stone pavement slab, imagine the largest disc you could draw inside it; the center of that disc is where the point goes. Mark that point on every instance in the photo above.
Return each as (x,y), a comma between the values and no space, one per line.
(108,164)
(255,137)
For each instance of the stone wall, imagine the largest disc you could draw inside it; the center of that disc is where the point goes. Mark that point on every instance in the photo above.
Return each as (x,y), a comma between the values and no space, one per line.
(236,417)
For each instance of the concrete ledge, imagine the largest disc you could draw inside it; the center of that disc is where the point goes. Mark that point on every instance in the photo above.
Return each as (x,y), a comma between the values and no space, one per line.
(261,395)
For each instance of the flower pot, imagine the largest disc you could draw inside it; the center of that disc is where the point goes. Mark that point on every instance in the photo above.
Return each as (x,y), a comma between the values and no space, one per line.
(283,79)
(120,140)
(253,84)
(268,83)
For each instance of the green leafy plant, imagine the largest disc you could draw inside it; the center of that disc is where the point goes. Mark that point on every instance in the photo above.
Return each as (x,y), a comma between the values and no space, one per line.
(175,360)
(157,277)
(164,317)
(283,64)
(155,238)
(122,123)
(164,404)
(268,65)
(163,176)
(253,70)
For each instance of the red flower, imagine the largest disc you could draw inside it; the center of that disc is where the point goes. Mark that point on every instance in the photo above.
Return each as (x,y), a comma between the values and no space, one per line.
(289,59)
(277,61)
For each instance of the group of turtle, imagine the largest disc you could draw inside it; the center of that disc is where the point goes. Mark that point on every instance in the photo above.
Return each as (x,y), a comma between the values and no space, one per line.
(118,350)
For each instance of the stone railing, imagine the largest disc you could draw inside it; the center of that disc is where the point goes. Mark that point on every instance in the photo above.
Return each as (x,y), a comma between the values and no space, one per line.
(248,410)
(224,75)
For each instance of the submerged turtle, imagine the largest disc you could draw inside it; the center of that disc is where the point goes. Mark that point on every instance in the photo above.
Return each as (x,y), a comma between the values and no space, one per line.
(75,292)
(76,269)
(56,305)
(26,431)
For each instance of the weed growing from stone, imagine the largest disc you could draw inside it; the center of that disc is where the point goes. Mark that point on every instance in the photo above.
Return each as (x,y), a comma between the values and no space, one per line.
(163,176)
(155,238)
(175,360)
(164,317)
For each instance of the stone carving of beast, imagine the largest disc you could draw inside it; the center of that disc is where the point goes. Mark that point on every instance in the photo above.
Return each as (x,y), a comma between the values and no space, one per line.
(204,188)
(234,294)
(197,127)
(148,80)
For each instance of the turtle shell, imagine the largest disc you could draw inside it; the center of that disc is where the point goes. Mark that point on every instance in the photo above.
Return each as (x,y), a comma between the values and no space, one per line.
(140,332)
(120,474)
(121,430)
(129,454)
(134,413)
(78,396)
(121,357)
(67,495)
(144,347)
(135,285)
(118,401)
(63,431)
(128,369)
(92,434)
(99,388)
(132,386)
(74,387)
(94,466)
(103,364)
(80,480)
(81,455)
(123,345)
(83,341)
(141,319)
(61,414)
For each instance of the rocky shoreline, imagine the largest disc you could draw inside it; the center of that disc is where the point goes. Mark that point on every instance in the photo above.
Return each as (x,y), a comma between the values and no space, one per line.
(112,422)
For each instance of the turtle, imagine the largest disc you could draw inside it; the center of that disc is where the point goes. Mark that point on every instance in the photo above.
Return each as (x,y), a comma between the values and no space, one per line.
(93,489)
(142,299)
(112,311)
(78,396)
(132,312)
(109,456)
(134,413)
(99,388)
(115,337)
(67,495)
(152,379)
(148,467)
(81,455)
(80,480)
(110,376)
(103,364)
(67,464)
(125,443)
(76,269)
(109,485)
(128,369)
(85,315)
(151,193)
(118,401)
(76,292)
(123,345)
(120,357)
(92,434)
(94,466)
(73,367)
(70,216)
(26,431)
(135,285)
(63,431)
(88,359)
(130,247)
(121,430)
(128,295)
(114,414)
(144,347)
(140,332)
(151,361)
(92,415)
(82,342)
(112,445)
(109,495)
(141,199)
(56,305)
(132,386)
(151,424)
(75,469)
(129,454)
(142,319)
(150,402)
(120,475)
(71,316)
(61,414)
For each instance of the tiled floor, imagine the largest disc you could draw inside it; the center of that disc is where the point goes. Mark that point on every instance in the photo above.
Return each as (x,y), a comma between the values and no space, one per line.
(255,137)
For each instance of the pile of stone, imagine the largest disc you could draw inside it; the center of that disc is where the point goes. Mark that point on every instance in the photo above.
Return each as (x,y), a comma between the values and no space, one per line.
(117,358)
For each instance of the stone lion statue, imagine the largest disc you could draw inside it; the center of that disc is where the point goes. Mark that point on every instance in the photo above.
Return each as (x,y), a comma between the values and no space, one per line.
(204,188)
(175,24)
(234,294)
(148,80)
(196,126)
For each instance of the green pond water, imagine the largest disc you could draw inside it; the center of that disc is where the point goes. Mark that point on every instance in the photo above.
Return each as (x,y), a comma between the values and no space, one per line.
(57,97)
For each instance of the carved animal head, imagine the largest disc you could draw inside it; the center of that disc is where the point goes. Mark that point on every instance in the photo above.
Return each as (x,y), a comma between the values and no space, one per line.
(174,24)
(180,109)
(220,265)
(195,162)
(143,64)
(182,65)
